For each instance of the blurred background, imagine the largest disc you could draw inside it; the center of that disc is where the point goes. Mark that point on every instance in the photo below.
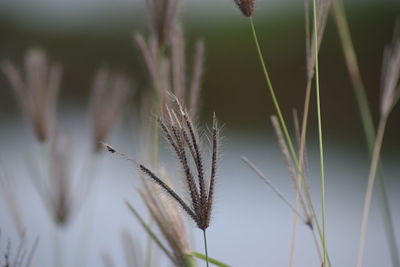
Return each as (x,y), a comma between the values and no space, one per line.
(251,227)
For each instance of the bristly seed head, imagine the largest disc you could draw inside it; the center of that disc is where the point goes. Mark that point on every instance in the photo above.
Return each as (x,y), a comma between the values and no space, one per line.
(246,6)
(180,133)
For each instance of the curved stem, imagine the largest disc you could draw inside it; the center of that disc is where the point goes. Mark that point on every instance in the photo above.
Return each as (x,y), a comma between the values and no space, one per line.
(272,92)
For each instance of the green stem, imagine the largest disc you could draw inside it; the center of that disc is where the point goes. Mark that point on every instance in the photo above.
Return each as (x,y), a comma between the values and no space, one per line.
(321,147)
(272,92)
(367,121)
(281,119)
(205,246)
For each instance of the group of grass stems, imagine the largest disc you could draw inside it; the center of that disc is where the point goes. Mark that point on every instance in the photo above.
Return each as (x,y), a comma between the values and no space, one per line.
(174,101)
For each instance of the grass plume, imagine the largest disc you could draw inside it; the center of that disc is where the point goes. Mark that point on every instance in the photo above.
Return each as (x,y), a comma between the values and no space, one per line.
(179,132)
(37,90)
(109,94)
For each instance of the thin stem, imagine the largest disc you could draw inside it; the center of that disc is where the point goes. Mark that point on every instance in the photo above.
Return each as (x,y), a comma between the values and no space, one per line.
(150,232)
(354,71)
(370,186)
(294,233)
(321,148)
(281,119)
(272,92)
(317,246)
(300,178)
(205,246)
(366,118)
(149,245)
(58,258)
(273,187)
(156,143)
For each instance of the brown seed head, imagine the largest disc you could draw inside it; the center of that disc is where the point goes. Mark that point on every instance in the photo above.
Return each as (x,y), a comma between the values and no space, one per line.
(109,94)
(169,220)
(246,6)
(180,133)
(163,16)
(60,180)
(37,90)
(55,185)
(172,76)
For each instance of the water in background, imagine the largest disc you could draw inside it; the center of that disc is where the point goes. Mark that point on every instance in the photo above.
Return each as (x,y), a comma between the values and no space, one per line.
(251,226)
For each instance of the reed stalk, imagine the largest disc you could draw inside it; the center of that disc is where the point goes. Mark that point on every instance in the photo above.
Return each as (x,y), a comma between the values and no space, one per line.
(366,119)
(321,148)
(370,186)
(295,158)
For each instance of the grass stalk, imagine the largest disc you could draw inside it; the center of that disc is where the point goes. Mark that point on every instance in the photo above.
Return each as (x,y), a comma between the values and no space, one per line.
(272,91)
(294,232)
(366,118)
(58,258)
(205,246)
(300,178)
(285,131)
(156,144)
(321,148)
(370,186)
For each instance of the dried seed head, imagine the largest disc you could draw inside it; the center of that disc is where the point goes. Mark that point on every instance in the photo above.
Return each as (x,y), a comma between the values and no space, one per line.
(246,6)
(37,92)
(180,133)
(163,16)
(60,177)
(109,94)
(55,186)
(169,73)
(169,220)
(323,8)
